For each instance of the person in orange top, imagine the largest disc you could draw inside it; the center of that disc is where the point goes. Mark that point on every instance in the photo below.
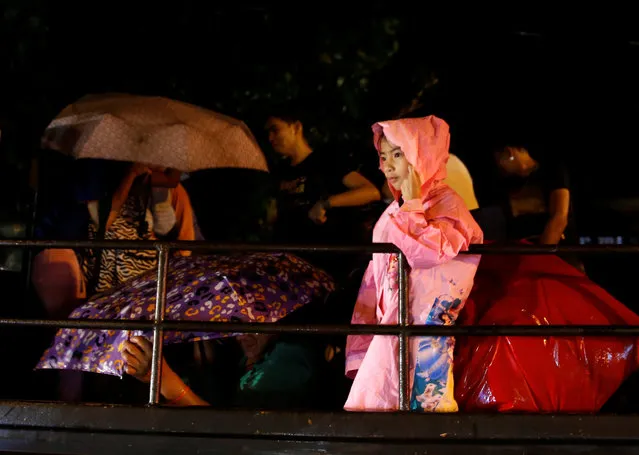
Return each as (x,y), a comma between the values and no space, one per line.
(148,204)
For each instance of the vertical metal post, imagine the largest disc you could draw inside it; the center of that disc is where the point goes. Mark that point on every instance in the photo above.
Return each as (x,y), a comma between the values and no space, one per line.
(404,355)
(27,259)
(158,331)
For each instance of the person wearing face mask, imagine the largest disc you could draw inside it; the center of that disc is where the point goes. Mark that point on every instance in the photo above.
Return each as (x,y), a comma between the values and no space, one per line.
(431,224)
(141,203)
(147,203)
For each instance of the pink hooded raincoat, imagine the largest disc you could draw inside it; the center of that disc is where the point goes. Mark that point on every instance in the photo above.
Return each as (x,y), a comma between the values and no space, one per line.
(431,232)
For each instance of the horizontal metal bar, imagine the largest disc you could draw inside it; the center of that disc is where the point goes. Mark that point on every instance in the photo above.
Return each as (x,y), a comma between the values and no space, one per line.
(199,245)
(274,248)
(97,324)
(552,249)
(332,329)
(411,330)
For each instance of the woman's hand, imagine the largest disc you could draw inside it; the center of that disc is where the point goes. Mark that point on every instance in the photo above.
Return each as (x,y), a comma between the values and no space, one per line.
(137,353)
(411,186)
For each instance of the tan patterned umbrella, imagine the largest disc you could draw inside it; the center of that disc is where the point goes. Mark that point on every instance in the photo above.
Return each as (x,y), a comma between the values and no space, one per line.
(155,131)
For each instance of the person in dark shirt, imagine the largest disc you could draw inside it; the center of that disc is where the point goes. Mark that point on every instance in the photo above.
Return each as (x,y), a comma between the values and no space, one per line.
(318,191)
(536,196)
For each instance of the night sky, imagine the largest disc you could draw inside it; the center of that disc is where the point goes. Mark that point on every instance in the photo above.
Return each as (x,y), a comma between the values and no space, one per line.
(567,87)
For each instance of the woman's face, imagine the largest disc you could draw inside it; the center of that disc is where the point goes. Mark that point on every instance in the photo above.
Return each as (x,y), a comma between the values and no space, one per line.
(394,164)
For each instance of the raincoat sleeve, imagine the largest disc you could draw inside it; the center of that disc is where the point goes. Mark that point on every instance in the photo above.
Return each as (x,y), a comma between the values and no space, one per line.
(432,237)
(184,219)
(365,312)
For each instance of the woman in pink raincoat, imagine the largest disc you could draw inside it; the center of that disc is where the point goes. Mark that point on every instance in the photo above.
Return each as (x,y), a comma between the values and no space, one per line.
(431,225)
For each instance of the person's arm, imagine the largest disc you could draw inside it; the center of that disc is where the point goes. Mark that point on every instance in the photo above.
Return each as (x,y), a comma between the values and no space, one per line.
(176,392)
(556,225)
(360,192)
(122,192)
(433,238)
(428,241)
(137,353)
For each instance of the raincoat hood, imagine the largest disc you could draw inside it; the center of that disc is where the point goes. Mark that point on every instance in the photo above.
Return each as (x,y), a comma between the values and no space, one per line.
(424,141)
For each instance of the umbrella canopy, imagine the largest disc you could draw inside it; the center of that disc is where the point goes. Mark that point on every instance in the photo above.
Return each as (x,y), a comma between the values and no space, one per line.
(256,287)
(540,374)
(153,130)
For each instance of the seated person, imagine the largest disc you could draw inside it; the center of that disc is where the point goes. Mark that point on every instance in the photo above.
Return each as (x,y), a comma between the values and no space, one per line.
(535,197)
(274,372)
(103,200)
(145,204)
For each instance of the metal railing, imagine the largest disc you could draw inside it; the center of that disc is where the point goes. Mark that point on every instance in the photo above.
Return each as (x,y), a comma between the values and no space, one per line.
(402,330)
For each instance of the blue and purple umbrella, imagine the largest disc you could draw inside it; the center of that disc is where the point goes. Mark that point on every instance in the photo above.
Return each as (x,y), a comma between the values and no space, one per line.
(257,287)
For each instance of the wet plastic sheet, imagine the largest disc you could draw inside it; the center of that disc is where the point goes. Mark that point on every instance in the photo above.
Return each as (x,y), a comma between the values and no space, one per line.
(537,374)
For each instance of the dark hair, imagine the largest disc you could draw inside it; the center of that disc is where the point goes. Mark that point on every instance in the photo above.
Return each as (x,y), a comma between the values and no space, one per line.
(499,149)
(289,113)
(506,136)
(502,149)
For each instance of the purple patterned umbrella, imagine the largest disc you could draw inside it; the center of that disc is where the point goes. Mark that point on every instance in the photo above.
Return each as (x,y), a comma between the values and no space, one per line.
(259,287)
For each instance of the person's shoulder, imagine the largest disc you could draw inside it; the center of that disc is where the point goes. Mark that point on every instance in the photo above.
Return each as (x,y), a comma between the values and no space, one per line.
(454,161)
(445,195)
(554,174)
(335,159)
(448,207)
(447,203)
(283,170)
(287,359)
(290,351)
(456,165)
(553,165)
